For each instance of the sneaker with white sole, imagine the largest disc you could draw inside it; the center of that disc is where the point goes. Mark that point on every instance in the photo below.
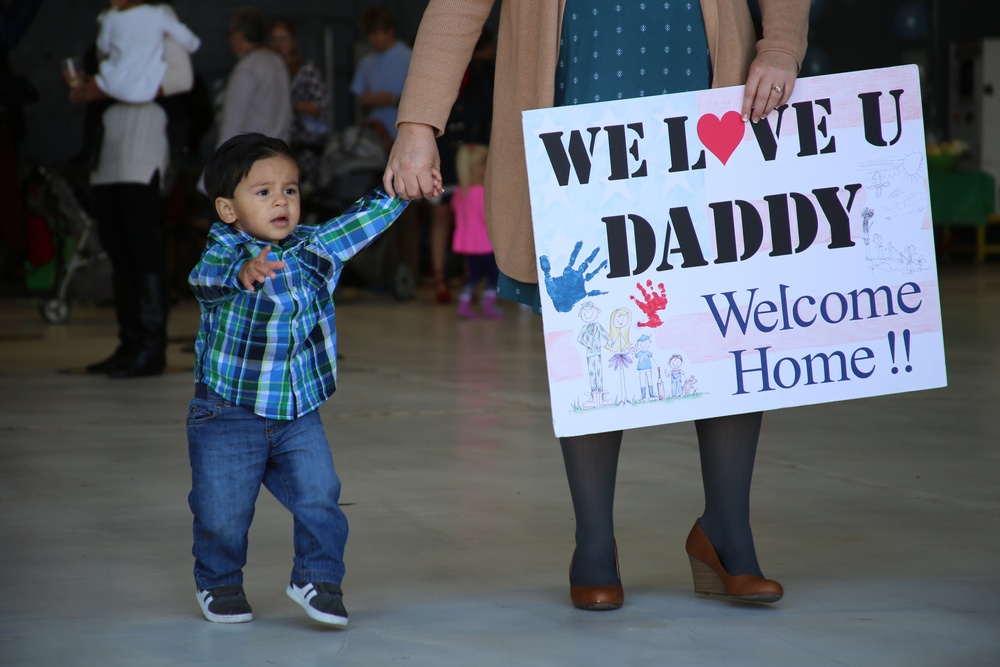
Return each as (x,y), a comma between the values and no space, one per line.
(225,604)
(323,602)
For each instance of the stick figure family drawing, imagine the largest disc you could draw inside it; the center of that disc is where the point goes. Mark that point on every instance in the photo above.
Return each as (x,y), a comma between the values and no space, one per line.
(568,288)
(595,339)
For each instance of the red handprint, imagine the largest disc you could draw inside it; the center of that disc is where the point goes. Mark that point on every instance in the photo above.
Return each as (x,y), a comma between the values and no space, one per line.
(651,304)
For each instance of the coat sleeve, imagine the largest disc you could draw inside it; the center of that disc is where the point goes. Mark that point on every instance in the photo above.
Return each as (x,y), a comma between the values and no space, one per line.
(447,36)
(785,26)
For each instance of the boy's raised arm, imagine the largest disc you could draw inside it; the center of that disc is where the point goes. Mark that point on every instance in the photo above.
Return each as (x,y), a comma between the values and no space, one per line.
(346,235)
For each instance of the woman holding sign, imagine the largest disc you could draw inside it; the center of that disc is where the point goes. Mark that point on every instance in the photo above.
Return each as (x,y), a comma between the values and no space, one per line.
(574,52)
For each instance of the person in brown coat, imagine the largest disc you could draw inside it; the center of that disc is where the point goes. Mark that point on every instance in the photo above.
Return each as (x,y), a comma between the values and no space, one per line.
(553,54)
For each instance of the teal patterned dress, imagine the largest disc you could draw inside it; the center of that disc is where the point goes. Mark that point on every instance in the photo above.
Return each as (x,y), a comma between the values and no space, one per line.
(620,49)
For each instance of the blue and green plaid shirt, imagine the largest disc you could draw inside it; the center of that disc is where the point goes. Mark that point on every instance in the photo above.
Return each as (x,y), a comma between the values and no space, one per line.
(274,350)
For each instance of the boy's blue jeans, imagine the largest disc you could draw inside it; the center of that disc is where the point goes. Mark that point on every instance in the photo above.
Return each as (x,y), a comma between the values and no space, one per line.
(233,451)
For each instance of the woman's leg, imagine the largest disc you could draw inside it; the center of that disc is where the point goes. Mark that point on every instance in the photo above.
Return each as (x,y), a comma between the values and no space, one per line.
(728,447)
(468,288)
(440,237)
(112,228)
(491,274)
(477,269)
(143,236)
(591,469)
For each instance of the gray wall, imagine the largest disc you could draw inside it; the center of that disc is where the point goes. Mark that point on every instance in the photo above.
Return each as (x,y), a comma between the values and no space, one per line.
(67,27)
(845,35)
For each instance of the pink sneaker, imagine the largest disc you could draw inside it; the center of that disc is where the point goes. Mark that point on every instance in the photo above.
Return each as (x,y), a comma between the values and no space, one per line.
(465,310)
(490,309)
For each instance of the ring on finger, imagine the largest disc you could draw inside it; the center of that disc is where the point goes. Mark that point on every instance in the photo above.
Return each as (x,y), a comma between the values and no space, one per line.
(778,88)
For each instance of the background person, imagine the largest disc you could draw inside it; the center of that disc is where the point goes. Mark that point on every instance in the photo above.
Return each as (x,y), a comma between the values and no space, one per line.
(378,81)
(469,122)
(130,47)
(545,57)
(15,93)
(471,240)
(310,101)
(128,205)
(258,94)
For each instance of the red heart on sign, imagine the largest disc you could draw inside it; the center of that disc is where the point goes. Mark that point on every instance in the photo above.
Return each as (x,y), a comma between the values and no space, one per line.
(721,136)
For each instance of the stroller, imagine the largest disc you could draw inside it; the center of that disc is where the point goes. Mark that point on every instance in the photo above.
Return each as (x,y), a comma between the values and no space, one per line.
(72,226)
(351,165)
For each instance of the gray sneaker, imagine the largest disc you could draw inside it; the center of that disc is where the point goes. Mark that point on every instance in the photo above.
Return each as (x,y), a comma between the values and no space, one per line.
(323,602)
(225,604)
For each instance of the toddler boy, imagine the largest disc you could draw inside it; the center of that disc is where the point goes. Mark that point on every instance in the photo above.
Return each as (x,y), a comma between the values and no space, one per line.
(266,359)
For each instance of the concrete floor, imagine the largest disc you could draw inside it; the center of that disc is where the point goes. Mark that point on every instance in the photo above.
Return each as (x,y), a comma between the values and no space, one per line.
(881,516)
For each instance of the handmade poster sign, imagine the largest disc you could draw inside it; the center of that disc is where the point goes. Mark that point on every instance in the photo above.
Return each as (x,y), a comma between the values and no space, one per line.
(694,265)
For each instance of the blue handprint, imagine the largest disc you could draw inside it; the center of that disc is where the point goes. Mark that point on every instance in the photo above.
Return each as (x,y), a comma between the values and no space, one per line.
(570,288)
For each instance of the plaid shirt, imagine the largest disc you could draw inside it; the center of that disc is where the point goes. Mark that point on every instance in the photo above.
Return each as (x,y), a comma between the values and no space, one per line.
(274,350)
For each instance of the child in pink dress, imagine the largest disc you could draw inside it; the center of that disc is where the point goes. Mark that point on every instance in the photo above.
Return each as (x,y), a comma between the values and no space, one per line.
(470,239)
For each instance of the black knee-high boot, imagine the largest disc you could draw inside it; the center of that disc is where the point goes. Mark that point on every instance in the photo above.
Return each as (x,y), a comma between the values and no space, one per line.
(129,328)
(151,357)
(591,469)
(106,200)
(728,447)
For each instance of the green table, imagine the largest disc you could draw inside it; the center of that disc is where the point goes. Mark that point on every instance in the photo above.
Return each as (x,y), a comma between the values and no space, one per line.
(965,198)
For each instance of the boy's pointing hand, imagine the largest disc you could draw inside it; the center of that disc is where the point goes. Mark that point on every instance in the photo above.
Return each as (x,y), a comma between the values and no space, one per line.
(259,268)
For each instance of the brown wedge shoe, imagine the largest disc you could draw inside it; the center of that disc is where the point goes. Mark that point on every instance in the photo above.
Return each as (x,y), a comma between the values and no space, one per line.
(598,598)
(711,579)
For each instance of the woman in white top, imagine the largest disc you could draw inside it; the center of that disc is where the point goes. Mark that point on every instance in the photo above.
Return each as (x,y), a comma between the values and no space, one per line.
(130,44)
(127,200)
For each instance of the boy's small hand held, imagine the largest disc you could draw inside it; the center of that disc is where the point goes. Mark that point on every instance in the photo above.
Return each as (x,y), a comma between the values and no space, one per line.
(437,183)
(258,269)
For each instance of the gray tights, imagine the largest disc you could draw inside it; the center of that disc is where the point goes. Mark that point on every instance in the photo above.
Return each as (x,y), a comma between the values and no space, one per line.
(728,447)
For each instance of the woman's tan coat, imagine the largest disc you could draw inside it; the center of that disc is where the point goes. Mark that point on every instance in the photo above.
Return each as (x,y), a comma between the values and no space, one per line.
(527,50)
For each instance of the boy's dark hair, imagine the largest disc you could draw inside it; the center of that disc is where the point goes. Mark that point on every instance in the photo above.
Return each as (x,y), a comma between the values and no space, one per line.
(376,19)
(234,159)
(251,23)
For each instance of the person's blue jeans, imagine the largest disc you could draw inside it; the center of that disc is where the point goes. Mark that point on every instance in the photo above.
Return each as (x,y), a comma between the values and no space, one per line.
(233,451)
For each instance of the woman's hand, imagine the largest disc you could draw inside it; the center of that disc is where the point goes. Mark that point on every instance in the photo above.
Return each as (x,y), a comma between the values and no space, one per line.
(769,84)
(414,168)
(379,99)
(308,108)
(87,91)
